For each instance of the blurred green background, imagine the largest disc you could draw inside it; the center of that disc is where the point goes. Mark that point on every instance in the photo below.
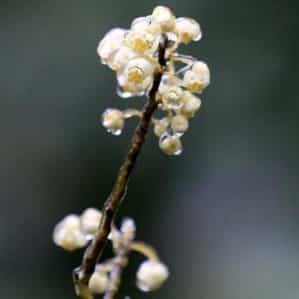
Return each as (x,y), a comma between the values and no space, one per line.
(223,216)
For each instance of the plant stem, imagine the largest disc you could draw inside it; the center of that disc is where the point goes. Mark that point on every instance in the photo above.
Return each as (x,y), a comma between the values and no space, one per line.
(95,249)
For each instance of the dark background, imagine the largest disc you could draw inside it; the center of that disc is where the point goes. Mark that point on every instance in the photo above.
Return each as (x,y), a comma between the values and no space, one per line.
(224,215)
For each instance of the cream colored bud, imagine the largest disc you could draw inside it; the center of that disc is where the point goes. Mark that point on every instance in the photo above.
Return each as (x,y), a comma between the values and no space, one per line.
(137,76)
(110,43)
(139,41)
(164,17)
(98,282)
(151,275)
(198,78)
(161,125)
(188,30)
(179,124)
(171,144)
(120,58)
(172,97)
(140,24)
(90,221)
(191,104)
(113,121)
(128,229)
(67,233)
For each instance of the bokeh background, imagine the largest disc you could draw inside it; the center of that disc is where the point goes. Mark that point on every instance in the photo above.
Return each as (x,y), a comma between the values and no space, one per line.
(223,215)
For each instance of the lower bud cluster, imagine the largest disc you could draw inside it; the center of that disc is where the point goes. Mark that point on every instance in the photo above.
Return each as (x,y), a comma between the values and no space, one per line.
(76,231)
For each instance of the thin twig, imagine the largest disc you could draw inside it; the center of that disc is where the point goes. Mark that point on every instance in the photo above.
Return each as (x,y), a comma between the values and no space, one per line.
(95,249)
(119,264)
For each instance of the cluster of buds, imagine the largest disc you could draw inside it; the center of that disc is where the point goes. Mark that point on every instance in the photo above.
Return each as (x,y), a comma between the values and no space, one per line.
(133,55)
(75,231)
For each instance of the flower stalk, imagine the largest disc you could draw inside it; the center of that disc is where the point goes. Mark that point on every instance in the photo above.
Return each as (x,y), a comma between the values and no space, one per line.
(95,249)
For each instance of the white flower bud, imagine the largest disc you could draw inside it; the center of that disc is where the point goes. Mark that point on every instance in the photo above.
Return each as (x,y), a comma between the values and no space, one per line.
(151,275)
(161,126)
(198,77)
(179,124)
(139,41)
(188,30)
(128,229)
(171,144)
(110,43)
(137,76)
(140,24)
(67,233)
(164,17)
(98,282)
(172,97)
(113,121)
(90,220)
(191,104)
(121,58)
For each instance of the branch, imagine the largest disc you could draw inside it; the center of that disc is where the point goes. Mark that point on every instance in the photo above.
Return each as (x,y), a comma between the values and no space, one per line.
(95,249)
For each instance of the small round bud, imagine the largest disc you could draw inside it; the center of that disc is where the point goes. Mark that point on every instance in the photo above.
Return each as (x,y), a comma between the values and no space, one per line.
(164,17)
(90,221)
(172,97)
(98,282)
(151,275)
(140,24)
(179,124)
(67,233)
(198,78)
(121,58)
(128,229)
(139,41)
(161,126)
(113,121)
(137,76)
(191,104)
(171,144)
(188,30)
(110,43)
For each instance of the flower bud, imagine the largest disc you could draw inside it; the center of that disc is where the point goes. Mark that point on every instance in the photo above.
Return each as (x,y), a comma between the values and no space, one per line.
(179,124)
(198,77)
(188,30)
(139,41)
(120,58)
(161,126)
(191,104)
(90,221)
(151,275)
(137,76)
(171,144)
(67,233)
(128,229)
(110,43)
(113,121)
(98,282)
(164,17)
(172,97)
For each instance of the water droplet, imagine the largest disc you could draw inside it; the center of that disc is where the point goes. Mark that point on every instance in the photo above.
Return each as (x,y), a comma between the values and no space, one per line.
(115,132)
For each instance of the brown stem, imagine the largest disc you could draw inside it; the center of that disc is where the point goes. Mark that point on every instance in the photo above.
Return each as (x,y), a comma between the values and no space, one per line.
(95,249)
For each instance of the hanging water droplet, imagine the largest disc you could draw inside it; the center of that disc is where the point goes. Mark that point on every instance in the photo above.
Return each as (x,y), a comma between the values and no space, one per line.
(126,94)
(115,132)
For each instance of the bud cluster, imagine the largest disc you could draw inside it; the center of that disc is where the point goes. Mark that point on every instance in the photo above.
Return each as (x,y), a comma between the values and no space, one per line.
(133,55)
(74,232)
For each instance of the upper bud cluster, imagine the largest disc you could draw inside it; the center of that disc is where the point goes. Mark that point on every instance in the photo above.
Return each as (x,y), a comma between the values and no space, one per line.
(133,55)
